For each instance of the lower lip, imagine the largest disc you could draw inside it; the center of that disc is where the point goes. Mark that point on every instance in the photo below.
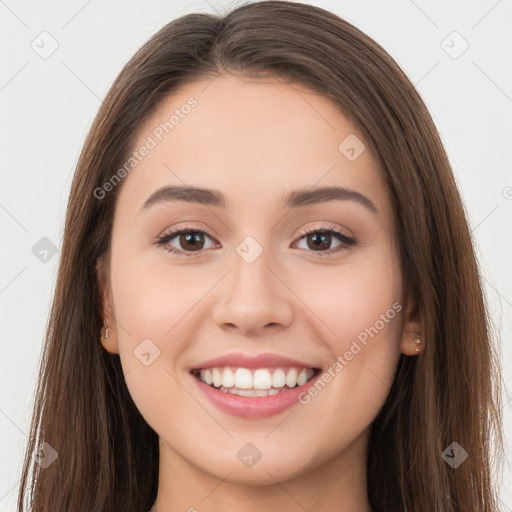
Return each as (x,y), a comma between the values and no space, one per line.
(254,406)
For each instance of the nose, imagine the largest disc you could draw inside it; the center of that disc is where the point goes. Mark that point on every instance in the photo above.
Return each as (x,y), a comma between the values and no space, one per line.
(253,299)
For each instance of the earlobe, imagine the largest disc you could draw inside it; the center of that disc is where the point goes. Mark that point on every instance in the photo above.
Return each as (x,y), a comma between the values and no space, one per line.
(108,336)
(413,342)
(109,340)
(412,345)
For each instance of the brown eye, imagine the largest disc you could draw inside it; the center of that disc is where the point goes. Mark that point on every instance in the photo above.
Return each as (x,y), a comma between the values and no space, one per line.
(320,240)
(192,241)
(184,241)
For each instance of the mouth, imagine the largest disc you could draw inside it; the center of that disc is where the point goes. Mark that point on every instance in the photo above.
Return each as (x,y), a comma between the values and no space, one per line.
(255,382)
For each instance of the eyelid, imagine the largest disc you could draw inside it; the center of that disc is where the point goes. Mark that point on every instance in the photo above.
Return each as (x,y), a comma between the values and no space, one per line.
(346,241)
(179,228)
(171,233)
(317,228)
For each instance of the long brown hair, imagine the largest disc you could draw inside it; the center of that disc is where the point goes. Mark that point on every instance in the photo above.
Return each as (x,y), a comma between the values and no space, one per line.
(107,454)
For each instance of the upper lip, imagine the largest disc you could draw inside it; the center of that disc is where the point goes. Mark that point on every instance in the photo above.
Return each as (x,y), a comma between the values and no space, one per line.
(267,360)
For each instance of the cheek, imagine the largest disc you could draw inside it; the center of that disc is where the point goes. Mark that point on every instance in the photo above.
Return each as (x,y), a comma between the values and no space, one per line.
(359,318)
(155,301)
(353,302)
(155,312)
(155,308)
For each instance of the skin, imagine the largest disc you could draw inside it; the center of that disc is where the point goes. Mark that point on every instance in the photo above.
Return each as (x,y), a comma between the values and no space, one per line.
(256,140)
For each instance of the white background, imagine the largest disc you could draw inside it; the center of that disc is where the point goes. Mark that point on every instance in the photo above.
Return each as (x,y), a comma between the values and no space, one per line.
(47,106)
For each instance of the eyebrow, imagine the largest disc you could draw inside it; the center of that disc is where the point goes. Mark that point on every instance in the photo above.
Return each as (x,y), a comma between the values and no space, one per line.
(295,199)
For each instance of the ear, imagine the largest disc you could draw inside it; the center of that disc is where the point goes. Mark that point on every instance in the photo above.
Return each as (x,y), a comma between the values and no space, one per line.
(413,340)
(110,344)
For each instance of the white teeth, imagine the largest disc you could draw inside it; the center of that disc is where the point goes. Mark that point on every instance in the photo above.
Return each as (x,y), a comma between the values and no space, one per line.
(228,378)
(302,378)
(253,392)
(243,378)
(250,392)
(291,378)
(278,379)
(262,379)
(217,377)
(207,376)
(260,382)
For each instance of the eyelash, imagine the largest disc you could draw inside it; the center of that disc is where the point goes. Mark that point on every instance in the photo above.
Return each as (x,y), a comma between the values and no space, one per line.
(346,242)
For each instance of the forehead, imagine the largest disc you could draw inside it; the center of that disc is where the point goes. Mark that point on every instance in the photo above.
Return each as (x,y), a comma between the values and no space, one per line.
(254,139)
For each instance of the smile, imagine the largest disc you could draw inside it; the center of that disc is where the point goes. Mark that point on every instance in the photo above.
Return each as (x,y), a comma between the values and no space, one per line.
(253,387)
(254,382)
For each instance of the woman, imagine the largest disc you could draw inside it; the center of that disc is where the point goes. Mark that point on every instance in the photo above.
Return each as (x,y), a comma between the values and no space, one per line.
(265,235)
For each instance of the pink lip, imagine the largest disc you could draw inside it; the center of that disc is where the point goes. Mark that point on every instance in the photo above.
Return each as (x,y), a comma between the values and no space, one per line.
(260,361)
(257,406)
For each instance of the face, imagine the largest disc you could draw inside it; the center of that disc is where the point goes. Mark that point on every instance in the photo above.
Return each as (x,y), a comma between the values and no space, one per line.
(263,282)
